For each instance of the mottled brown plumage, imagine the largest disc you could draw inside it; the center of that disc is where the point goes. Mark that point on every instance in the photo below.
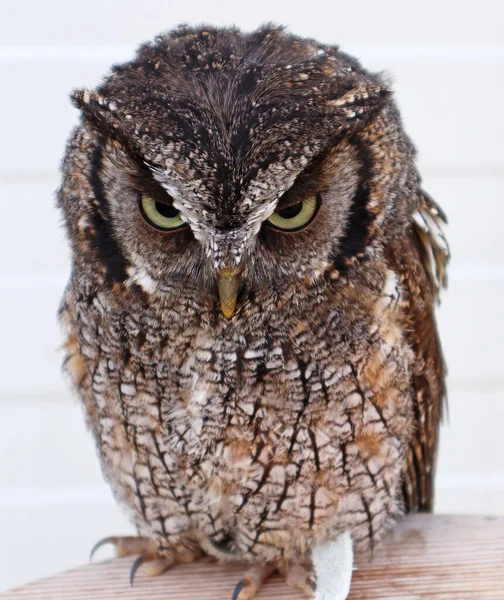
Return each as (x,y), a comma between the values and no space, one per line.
(254,391)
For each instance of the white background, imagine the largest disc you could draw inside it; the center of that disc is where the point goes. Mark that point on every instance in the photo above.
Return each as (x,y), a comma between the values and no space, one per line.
(447,63)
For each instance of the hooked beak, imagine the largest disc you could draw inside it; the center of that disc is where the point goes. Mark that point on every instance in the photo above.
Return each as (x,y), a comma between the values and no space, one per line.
(228,283)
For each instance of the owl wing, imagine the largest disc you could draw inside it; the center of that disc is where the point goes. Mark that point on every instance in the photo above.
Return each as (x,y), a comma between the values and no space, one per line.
(420,259)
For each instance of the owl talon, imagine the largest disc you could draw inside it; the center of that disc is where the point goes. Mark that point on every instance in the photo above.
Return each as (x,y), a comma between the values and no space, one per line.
(139,561)
(239,587)
(248,587)
(99,544)
(155,565)
(300,578)
(124,545)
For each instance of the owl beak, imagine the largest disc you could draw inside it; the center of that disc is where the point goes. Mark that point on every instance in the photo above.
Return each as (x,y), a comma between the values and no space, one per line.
(228,284)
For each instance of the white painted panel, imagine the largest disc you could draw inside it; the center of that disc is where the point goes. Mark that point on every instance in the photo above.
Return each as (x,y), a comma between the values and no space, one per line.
(475,210)
(450,109)
(32,240)
(386,22)
(451,125)
(471,443)
(467,496)
(47,443)
(37,94)
(42,539)
(471,328)
(31,338)
(31,233)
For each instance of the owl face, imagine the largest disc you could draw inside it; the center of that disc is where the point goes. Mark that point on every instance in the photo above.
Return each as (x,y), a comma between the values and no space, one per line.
(171,235)
(235,165)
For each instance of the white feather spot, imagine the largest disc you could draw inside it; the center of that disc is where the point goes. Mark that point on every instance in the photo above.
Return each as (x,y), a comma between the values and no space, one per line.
(139,276)
(83,222)
(199,396)
(128,389)
(253,353)
(390,291)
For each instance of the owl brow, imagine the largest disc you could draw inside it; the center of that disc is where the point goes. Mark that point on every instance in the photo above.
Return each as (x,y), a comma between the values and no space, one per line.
(143,180)
(307,183)
(140,177)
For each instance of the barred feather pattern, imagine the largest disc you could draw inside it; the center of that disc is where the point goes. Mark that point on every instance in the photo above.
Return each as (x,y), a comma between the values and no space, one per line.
(313,409)
(421,261)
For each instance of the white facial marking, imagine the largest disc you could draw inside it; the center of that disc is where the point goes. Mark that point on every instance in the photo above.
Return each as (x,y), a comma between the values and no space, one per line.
(139,276)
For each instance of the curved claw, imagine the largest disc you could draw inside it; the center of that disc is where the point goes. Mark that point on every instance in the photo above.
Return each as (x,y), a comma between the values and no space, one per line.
(249,586)
(239,587)
(139,561)
(124,545)
(103,542)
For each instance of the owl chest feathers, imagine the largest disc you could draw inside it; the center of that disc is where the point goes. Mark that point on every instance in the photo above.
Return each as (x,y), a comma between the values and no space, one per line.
(243,422)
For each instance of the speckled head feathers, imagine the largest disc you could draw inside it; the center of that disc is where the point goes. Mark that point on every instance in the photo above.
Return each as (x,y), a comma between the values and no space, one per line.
(227,123)
(233,111)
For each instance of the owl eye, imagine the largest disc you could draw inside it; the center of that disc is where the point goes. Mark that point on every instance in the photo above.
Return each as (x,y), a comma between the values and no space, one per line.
(296,216)
(163,217)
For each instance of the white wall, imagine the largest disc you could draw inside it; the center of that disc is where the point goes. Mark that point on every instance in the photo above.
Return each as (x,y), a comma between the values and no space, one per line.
(447,61)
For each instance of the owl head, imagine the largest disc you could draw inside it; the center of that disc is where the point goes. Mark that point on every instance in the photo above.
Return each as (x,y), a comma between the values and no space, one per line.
(239,164)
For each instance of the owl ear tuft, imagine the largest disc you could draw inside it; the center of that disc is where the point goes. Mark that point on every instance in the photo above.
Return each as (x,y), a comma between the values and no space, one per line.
(360,103)
(96,109)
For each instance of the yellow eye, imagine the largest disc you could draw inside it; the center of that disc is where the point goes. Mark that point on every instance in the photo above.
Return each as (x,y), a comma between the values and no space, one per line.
(296,216)
(161,216)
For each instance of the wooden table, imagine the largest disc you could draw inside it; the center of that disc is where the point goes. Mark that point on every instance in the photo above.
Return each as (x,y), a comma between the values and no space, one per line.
(432,557)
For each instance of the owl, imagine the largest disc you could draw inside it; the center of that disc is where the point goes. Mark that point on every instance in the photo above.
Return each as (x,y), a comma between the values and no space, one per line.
(249,321)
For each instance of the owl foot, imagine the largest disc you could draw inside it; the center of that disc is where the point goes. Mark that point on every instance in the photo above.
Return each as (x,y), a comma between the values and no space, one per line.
(300,578)
(296,576)
(126,546)
(248,587)
(333,565)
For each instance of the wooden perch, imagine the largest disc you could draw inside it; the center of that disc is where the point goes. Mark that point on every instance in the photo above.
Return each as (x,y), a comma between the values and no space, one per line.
(431,557)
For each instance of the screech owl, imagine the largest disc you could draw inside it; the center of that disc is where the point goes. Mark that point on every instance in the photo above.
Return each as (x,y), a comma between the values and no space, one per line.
(249,319)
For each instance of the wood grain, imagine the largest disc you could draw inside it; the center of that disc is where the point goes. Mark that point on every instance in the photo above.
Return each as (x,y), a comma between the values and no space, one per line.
(431,557)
